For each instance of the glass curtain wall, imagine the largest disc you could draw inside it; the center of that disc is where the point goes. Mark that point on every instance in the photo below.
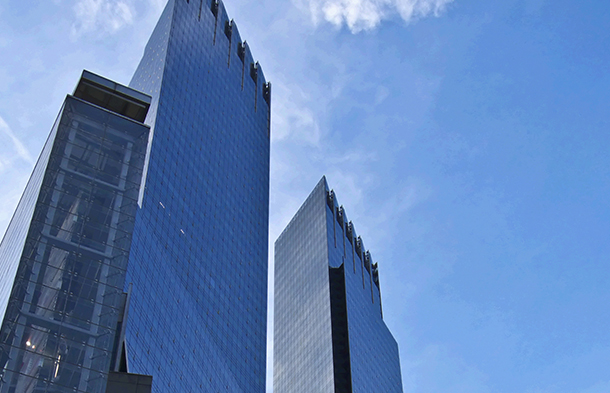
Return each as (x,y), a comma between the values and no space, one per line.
(61,319)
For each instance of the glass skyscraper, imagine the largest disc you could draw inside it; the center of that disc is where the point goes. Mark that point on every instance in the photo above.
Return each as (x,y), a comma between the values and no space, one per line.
(177,291)
(198,263)
(64,256)
(330,336)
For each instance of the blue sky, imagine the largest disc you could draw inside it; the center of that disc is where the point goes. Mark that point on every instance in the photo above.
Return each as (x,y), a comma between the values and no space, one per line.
(468,141)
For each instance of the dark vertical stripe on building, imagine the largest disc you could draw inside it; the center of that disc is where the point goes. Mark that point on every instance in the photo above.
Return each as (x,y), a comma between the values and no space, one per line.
(338,309)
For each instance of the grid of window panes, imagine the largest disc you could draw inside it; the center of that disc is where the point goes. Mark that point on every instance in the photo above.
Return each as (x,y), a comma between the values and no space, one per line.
(197,318)
(60,324)
(373,352)
(12,244)
(303,354)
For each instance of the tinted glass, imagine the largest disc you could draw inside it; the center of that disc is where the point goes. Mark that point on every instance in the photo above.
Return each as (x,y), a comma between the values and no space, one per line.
(317,239)
(198,311)
(60,324)
(302,351)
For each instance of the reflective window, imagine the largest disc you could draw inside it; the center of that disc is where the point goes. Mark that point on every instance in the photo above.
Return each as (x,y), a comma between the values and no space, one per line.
(198,263)
(61,319)
(329,330)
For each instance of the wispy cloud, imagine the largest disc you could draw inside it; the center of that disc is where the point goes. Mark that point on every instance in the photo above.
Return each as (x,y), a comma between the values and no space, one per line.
(360,15)
(15,164)
(157,5)
(16,146)
(293,118)
(101,16)
(458,376)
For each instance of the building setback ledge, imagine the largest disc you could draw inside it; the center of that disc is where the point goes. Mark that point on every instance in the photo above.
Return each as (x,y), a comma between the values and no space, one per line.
(112,96)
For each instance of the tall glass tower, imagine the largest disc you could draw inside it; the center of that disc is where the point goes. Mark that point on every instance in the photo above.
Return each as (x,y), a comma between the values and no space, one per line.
(64,256)
(330,336)
(198,263)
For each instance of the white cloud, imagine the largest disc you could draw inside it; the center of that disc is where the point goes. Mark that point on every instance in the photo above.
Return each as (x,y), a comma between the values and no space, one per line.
(296,121)
(360,15)
(292,116)
(350,186)
(381,94)
(101,16)
(157,6)
(15,165)
(438,369)
(17,146)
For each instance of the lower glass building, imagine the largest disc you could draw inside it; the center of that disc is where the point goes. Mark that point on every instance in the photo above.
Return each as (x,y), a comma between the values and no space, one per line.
(330,336)
(64,256)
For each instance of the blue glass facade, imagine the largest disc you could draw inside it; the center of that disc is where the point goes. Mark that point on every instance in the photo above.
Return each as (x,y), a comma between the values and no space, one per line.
(65,252)
(197,318)
(302,340)
(329,329)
